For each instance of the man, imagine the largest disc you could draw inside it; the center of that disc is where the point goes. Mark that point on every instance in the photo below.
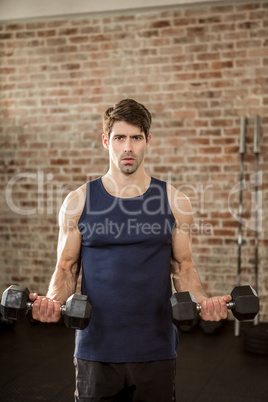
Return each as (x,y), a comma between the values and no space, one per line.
(125,228)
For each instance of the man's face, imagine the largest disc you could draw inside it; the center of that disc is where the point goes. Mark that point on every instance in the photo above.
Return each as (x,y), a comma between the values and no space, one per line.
(127,145)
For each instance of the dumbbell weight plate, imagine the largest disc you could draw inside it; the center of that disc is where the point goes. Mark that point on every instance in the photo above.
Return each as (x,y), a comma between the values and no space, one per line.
(16,297)
(183,308)
(246,302)
(77,311)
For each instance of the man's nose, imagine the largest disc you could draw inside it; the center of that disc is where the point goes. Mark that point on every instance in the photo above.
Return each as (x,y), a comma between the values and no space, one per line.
(128,145)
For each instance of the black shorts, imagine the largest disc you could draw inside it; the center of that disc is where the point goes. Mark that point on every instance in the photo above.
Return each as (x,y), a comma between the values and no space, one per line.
(125,382)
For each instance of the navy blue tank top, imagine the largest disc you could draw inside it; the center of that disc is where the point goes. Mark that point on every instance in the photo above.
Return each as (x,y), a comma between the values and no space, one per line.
(126,249)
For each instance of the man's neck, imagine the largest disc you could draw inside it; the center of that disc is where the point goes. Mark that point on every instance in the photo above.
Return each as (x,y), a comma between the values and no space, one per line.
(126,185)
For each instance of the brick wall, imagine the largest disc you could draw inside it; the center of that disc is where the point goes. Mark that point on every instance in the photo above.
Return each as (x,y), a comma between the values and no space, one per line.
(197,69)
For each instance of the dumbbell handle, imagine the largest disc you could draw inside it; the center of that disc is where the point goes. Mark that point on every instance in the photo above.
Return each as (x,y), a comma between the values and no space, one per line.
(230,305)
(29,306)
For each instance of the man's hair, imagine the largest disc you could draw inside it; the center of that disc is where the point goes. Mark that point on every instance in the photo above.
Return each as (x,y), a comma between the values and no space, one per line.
(131,112)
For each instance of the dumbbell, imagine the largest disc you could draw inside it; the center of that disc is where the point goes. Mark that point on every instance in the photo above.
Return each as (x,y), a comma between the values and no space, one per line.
(244,305)
(15,304)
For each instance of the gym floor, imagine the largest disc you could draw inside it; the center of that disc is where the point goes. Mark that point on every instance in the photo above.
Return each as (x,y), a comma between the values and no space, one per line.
(37,365)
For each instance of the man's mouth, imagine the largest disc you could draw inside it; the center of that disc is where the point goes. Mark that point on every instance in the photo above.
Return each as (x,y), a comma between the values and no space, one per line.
(128,159)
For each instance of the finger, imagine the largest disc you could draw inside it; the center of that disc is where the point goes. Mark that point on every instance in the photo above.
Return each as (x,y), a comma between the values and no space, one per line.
(206,310)
(50,308)
(210,307)
(33,296)
(57,308)
(53,311)
(224,311)
(43,306)
(218,305)
(227,298)
(35,308)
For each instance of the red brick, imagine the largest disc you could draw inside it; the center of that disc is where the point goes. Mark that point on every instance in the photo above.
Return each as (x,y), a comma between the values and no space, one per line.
(68,31)
(223,28)
(185,114)
(5,36)
(210,75)
(160,24)
(210,150)
(208,56)
(26,34)
(257,52)
(73,66)
(221,65)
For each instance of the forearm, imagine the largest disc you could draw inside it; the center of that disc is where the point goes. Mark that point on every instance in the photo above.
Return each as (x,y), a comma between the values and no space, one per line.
(186,279)
(185,276)
(62,285)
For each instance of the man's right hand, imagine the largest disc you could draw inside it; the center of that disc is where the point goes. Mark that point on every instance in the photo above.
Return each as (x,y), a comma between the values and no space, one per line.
(45,309)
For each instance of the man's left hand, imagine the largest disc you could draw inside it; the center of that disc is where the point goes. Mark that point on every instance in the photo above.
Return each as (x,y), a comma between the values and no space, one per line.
(215,308)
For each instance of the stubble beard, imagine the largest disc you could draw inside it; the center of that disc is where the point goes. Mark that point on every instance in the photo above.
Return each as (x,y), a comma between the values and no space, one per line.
(128,169)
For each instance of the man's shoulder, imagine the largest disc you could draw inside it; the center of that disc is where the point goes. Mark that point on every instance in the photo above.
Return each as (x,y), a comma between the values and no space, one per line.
(73,205)
(76,197)
(180,204)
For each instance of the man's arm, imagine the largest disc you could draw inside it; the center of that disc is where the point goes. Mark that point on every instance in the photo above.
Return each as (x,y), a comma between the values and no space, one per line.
(64,279)
(184,274)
